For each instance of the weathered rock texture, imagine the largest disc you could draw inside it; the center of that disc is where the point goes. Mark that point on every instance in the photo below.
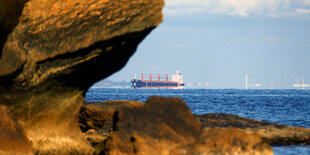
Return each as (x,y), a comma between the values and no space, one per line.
(229,141)
(99,116)
(157,128)
(272,133)
(139,124)
(13,139)
(57,50)
(161,126)
(96,120)
(10,11)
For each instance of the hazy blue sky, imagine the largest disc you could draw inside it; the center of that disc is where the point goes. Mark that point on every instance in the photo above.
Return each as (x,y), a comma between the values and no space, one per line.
(219,41)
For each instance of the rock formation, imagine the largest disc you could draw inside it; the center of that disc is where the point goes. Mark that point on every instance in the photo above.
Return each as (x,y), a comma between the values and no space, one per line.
(158,127)
(13,139)
(272,133)
(229,141)
(54,50)
(10,11)
(163,126)
(222,133)
(99,116)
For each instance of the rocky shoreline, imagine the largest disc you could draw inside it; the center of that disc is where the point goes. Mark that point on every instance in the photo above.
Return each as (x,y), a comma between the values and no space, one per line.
(162,126)
(218,124)
(274,134)
(53,51)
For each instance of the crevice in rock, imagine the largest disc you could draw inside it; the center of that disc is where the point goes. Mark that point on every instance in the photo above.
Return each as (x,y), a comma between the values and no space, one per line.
(115,120)
(113,56)
(8,80)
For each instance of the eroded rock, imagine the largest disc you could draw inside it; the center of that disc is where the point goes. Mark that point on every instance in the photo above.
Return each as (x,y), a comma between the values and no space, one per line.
(272,133)
(99,116)
(96,121)
(229,141)
(57,50)
(13,139)
(10,11)
(157,128)
(132,122)
(167,126)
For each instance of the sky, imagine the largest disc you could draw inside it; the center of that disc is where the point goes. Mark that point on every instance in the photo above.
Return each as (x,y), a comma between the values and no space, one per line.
(217,42)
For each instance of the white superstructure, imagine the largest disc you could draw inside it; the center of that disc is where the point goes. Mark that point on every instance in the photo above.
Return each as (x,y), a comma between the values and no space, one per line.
(177,77)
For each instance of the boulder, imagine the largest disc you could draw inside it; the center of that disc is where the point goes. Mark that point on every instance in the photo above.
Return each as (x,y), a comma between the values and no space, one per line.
(96,121)
(229,141)
(167,126)
(54,50)
(99,116)
(156,128)
(272,133)
(13,139)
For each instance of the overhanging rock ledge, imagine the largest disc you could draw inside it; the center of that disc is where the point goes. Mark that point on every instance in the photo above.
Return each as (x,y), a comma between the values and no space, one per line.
(56,51)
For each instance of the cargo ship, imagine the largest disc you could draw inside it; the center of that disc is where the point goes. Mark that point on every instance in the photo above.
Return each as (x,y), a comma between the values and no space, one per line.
(159,81)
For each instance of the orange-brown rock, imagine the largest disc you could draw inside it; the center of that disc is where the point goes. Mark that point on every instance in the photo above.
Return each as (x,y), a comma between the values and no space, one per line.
(156,128)
(272,133)
(13,139)
(97,140)
(229,141)
(10,11)
(99,116)
(56,51)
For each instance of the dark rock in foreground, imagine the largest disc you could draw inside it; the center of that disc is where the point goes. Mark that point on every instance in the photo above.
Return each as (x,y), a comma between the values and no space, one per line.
(96,120)
(272,133)
(162,126)
(158,127)
(13,139)
(99,116)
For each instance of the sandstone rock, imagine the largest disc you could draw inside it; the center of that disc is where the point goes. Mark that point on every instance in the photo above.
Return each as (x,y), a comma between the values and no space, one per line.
(10,11)
(55,35)
(47,61)
(166,126)
(283,136)
(157,128)
(99,115)
(272,133)
(13,139)
(229,141)
(95,138)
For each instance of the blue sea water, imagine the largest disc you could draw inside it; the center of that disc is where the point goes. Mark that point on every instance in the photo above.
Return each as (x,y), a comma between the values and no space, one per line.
(288,107)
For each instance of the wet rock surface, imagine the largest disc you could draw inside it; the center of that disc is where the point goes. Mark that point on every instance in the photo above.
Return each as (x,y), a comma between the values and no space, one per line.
(13,139)
(272,133)
(49,51)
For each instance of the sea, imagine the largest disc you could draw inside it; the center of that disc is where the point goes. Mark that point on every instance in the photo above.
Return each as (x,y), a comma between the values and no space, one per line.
(288,107)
